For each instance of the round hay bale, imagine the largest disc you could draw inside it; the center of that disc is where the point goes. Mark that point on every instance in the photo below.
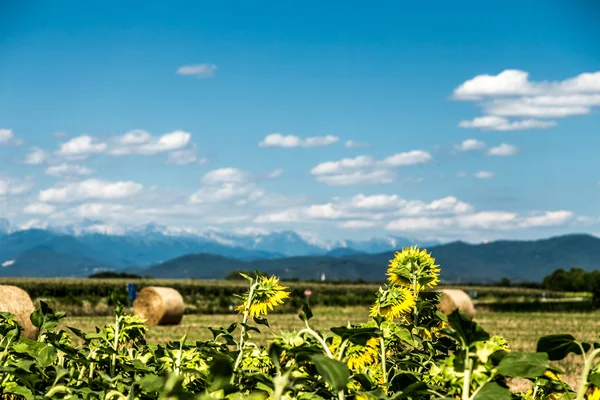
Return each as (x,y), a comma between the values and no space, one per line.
(159,305)
(453,299)
(17,302)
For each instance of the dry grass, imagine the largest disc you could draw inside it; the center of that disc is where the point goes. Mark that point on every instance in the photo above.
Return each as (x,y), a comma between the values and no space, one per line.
(521,329)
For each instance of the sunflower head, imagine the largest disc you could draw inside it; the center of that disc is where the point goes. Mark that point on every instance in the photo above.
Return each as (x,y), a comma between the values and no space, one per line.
(360,357)
(393,302)
(412,264)
(266,293)
(594,394)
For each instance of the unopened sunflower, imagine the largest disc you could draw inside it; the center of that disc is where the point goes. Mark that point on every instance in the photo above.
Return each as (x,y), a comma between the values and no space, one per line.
(393,302)
(413,264)
(267,294)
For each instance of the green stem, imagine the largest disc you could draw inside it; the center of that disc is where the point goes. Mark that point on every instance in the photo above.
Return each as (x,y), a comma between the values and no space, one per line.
(589,364)
(113,363)
(280,383)
(415,287)
(466,390)
(319,339)
(180,355)
(383,361)
(244,323)
(342,349)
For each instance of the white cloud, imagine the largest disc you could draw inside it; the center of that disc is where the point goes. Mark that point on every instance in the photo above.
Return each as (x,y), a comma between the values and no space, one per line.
(10,186)
(449,204)
(226,192)
(138,142)
(82,146)
(561,100)
(352,144)
(198,70)
(7,263)
(5,135)
(503,150)
(508,82)
(471,145)
(185,157)
(362,211)
(377,201)
(276,173)
(327,211)
(7,138)
(94,210)
(484,175)
(371,177)
(364,170)
(357,224)
(142,143)
(225,175)
(483,220)
(548,218)
(291,141)
(407,158)
(343,165)
(418,224)
(36,156)
(518,108)
(227,184)
(586,82)
(493,123)
(90,189)
(65,169)
(39,208)
(512,94)
(486,219)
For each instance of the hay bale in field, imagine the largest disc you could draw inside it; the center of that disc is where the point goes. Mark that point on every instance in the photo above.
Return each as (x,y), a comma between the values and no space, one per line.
(17,302)
(453,299)
(159,305)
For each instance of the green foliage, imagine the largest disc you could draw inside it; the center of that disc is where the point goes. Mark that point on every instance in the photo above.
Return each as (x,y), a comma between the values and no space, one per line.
(575,280)
(418,353)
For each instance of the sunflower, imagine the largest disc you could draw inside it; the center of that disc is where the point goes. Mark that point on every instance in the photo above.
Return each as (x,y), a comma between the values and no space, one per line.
(360,357)
(594,395)
(267,294)
(393,302)
(411,264)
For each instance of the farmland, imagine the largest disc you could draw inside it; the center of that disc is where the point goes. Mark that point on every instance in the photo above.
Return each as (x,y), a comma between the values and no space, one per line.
(90,303)
(96,297)
(522,329)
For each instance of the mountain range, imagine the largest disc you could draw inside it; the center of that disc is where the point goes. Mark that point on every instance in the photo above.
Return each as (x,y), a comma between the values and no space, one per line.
(521,261)
(79,250)
(161,252)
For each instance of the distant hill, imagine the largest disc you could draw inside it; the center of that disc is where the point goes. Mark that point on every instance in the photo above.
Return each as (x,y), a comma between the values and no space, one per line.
(490,262)
(49,264)
(152,251)
(151,244)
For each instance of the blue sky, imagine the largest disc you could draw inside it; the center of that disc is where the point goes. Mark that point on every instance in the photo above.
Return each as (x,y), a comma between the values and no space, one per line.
(474,120)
